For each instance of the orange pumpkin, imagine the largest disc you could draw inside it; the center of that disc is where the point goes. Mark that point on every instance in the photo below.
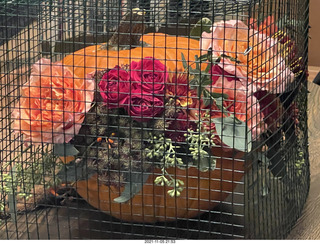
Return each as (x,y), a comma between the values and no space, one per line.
(166,49)
(203,190)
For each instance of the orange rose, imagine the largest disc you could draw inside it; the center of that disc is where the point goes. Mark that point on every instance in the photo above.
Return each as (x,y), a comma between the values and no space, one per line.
(53,104)
(260,64)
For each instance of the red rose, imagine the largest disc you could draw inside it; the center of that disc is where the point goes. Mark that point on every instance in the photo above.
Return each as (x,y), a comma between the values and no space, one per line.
(217,72)
(114,87)
(143,107)
(149,75)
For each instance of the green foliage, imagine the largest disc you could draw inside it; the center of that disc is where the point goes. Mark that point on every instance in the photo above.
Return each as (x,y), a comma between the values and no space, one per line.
(164,150)
(231,130)
(33,166)
(203,25)
(200,144)
(201,80)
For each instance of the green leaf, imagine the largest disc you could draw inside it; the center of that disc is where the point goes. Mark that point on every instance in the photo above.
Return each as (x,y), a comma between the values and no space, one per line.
(194,83)
(64,149)
(133,186)
(233,133)
(203,25)
(218,95)
(208,97)
(203,58)
(184,62)
(208,68)
(206,101)
(214,59)
(231,58)
(205,80)
(198,66)
(199,91)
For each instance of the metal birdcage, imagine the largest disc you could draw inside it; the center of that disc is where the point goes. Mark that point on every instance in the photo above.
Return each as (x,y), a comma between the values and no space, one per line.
(153,119)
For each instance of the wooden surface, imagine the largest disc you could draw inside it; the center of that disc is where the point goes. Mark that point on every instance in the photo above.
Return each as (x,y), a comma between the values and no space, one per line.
(308,225)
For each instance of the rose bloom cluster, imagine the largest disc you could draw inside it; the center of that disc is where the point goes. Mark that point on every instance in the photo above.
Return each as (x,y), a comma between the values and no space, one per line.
(261,65)
(54,101)
(253,69)
(140,90)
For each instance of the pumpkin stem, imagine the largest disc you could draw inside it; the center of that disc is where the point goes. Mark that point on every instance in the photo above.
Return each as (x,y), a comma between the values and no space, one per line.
(129,32)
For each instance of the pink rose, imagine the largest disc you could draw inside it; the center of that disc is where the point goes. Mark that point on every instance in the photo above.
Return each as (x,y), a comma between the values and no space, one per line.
(243,106)
(149,74)
(114,87)
(262,67)
(143,107)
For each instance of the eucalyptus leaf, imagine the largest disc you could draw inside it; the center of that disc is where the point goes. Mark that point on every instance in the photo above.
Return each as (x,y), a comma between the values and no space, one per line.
(203,25)
(73,172)
(64,149)
(233,133)
(208,97)
(206,163)
(219,102)
(136,180)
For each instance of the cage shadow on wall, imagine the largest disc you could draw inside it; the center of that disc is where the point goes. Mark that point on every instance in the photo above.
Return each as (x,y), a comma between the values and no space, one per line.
(153,119)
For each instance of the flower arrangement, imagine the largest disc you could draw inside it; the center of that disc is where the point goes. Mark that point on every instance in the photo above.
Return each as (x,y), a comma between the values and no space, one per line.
(148,117)
(124,121)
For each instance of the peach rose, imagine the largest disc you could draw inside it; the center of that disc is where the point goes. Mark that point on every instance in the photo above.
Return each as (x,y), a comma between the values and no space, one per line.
(53,104)
(262,68)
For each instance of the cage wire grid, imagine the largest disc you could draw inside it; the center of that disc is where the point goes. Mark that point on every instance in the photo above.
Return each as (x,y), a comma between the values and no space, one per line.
(197,133)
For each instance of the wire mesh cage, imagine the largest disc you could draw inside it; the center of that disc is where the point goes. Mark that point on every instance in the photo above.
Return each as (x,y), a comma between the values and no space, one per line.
(181,119)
